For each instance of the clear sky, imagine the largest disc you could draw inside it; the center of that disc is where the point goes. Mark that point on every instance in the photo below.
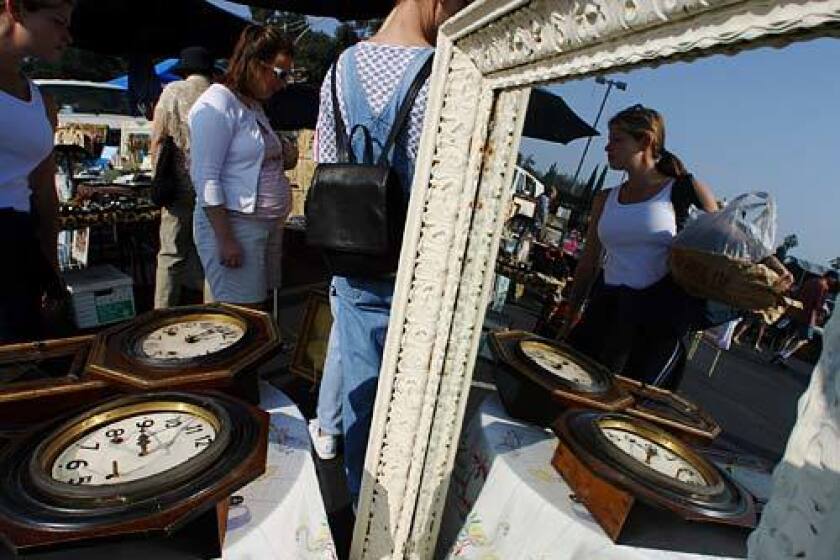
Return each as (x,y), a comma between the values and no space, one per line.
(765,119)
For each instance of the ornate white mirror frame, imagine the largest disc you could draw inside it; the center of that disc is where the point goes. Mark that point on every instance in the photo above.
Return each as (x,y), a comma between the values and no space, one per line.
(488,57)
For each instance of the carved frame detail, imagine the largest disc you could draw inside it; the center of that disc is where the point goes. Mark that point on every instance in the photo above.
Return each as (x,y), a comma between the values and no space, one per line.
(487,59)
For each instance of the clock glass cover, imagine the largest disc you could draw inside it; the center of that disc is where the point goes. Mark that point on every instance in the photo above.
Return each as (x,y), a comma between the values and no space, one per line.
(654,455)
(191,338)
(134,447)
(552,360)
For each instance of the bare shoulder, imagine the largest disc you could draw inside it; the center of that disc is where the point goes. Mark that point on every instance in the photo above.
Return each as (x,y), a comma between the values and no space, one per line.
(705,195)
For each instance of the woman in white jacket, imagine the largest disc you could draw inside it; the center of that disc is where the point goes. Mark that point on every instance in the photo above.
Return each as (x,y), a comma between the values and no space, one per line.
(237,168)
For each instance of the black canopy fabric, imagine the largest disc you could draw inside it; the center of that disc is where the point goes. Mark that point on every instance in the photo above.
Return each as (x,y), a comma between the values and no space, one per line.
(294,108)
(154,28)
(549,118)
(339,9)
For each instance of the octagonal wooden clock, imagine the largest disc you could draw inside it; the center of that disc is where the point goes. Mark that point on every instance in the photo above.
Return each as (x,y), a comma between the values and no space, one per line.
(143,464)
(206,346)
(44,377)
(538,378)
(610,459)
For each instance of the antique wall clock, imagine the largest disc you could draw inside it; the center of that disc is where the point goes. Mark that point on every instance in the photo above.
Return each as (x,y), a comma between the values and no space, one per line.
(134,464)
(217,345)
(44,376)
(538,377)
(609,459)
(670,410)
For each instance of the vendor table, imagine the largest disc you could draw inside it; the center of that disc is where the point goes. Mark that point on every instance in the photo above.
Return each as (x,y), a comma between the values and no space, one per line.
(507,501)
(282,515)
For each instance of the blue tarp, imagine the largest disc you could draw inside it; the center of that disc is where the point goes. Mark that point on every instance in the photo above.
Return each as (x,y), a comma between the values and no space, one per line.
(162,69)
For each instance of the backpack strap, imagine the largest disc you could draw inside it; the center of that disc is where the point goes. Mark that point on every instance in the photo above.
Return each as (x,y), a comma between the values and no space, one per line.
(341,140)
(405,108)
(683,197)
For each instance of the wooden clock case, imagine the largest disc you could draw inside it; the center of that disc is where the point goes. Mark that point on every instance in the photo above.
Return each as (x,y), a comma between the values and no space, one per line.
(618,499)
(32,519)
(101,367)
(536,396)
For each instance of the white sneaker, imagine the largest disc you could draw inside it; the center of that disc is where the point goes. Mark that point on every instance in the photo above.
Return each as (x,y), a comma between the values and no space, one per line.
(324,444)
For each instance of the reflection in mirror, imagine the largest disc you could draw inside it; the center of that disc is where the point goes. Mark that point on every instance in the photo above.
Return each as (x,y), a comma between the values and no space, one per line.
(593,216)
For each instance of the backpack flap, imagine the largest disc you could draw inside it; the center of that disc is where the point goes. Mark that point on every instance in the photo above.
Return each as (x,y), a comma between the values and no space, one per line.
(350,202)
(355,211)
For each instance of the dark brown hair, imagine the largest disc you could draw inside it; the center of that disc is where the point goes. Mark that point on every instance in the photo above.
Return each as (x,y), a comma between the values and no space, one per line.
(35,5)
(257,43)
(641,122)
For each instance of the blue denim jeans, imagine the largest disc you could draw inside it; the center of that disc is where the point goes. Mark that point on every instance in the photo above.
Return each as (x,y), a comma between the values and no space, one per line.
(362,312)
(329,395)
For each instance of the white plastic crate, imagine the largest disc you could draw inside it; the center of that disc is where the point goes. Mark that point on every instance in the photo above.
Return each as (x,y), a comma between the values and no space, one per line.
(101,295)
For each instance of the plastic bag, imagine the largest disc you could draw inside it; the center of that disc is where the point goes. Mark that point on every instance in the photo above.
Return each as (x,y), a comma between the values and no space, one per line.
(745,229)
(716,256)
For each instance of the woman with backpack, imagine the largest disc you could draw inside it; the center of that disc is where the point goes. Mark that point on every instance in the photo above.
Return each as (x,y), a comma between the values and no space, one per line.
(28,202)
(373,78)
(633,322)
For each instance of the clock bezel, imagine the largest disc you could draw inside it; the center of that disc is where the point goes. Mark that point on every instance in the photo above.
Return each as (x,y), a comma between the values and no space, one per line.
(601,381)
(133,343)
(505,345)
(724,500)
(712,478)
(44,456)
(114,357)
(30,518)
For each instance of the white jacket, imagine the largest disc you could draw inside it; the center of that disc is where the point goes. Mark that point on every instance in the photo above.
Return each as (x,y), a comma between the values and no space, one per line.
(227,150)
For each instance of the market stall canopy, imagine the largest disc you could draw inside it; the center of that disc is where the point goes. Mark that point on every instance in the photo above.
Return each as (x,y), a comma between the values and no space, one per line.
(550,119)
(155,28)
(339,9)
(162,69)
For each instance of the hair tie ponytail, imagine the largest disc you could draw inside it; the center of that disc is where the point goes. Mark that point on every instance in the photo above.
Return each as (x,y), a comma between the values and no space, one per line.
(670,165)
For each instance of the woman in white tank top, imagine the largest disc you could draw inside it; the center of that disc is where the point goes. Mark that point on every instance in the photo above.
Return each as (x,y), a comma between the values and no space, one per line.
(627,325)
(28,28)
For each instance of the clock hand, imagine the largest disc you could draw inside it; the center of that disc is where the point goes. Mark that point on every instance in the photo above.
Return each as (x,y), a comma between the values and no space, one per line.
(114,473)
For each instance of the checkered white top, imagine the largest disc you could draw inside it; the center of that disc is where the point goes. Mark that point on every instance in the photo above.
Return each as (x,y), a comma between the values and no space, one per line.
(380,69)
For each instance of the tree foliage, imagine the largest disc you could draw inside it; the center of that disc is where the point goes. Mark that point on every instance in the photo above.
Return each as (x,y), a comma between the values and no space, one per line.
(77,64)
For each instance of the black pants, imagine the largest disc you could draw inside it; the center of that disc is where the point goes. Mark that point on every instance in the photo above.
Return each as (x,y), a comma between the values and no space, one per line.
(21,281)
(638,333)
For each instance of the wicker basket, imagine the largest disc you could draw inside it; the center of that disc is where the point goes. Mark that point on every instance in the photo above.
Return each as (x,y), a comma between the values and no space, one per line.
(739,283)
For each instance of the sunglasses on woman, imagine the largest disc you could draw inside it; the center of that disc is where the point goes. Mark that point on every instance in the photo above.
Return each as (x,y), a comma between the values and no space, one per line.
(281,73)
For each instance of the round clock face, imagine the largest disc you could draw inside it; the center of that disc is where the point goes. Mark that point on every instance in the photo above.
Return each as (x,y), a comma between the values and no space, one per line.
(191,338)
(654,455)
(652,464)
(552,360)
(137,463)
(134,447)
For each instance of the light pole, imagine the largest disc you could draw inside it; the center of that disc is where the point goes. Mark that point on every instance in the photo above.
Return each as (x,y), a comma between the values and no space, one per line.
(610,83)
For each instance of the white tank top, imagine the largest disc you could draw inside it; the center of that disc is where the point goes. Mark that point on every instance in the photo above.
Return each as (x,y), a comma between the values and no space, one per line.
(26,139)
(637,238)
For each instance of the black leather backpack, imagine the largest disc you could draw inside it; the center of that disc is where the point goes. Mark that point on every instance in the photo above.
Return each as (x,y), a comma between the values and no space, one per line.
(355,211)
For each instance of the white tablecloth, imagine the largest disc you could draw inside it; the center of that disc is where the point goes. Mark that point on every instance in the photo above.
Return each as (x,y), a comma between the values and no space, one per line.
(282,515)
(507,502)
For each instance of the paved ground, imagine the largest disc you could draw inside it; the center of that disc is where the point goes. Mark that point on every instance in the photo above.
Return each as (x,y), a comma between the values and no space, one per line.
(754,402)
